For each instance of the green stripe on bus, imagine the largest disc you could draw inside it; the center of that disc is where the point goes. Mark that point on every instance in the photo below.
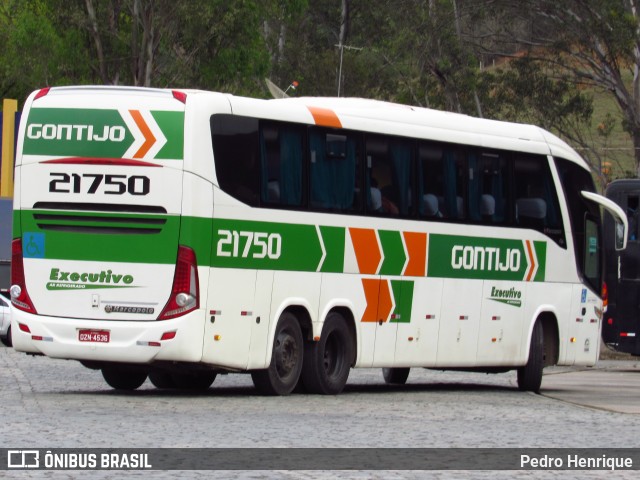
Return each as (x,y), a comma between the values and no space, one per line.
(100,133)
(333,239)
(393,251)
(265,245)
(541,253)
(172,125)
(403,296)
(108,241)
(227,243)
(452,256)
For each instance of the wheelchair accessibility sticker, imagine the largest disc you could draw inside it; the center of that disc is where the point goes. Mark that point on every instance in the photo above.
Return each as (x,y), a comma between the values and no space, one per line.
(33,245)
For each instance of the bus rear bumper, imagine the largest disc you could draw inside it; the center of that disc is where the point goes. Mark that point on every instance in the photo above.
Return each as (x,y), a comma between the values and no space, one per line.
(143,342)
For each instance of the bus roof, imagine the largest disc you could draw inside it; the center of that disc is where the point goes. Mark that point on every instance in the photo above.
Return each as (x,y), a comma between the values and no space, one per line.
(404,120)
(381,117)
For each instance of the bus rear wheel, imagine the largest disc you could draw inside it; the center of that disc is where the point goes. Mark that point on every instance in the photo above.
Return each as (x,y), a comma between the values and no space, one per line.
(328,361)
(530,376)
(397,376)
(286,359)
(193,380)
(123,378)
(161,379)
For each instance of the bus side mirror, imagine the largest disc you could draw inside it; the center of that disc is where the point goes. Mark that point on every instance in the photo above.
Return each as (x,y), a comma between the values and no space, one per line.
(620,218)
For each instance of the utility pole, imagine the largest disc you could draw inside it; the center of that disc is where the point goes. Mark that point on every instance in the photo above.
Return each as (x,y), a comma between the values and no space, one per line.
(342,47)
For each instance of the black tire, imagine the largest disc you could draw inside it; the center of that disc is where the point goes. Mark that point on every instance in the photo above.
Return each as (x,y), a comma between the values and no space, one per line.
(161,379)
(396,376)
(328,361)
(193,380)
(286,359)
(7,340)
(530,376)
(123,378)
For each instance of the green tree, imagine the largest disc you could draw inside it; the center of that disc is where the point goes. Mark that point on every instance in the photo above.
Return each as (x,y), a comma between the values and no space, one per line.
(590,43)
(36,52)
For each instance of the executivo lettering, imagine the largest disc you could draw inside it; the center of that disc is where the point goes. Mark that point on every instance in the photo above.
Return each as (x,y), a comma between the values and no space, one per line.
(510,296)
(61,280)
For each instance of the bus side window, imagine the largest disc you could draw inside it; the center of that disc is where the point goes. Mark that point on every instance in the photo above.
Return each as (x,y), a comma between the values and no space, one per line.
(430,181)
(488,175)
(441,181)
(536,200)
(282,156)
(454,176)
(389,164)
(334,170)
(235,142)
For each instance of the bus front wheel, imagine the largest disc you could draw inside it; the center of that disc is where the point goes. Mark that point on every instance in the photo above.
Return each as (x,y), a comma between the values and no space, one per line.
(286,359)
(123,378)
(397,376)
(530,376)
(328,361)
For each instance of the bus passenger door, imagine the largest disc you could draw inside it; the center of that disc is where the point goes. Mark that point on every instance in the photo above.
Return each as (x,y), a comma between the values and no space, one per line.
(460,318)
(260,319)
(230,319)
(417,337)
(586,315)
(500,332)
(386,324)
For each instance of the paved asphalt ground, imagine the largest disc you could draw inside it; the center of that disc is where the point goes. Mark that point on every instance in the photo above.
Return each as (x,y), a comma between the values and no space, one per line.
(48,403)
(611,385)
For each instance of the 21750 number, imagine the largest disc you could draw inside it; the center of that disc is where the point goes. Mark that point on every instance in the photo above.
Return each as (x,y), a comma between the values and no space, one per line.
(233,243)
(92,182)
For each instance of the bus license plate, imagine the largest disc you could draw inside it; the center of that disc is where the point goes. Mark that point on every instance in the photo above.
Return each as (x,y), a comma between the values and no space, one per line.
(97,336)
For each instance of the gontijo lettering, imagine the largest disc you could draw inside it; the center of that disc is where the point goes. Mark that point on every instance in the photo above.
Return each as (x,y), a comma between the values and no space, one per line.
(485,258)
(51,131)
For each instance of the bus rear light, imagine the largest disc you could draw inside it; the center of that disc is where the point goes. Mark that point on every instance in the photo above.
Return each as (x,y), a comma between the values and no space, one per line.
(148,344)
(184,291)
(24,328)
(19,295)
(605,295)
(40,338)
(627,334)
(42,92)
(168,335)
(180,96)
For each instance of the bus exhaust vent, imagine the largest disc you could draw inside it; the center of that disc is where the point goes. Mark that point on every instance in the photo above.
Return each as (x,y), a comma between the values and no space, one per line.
(100,218)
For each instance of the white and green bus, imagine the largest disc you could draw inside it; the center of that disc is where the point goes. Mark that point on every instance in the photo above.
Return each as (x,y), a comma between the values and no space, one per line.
(177,235)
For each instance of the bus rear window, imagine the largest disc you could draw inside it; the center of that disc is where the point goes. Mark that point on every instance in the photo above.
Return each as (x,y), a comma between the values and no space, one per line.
(235,149)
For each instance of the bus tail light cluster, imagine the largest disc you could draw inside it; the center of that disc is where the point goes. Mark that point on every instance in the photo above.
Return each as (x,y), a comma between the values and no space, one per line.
(605,295)
(19,295)
(185,295)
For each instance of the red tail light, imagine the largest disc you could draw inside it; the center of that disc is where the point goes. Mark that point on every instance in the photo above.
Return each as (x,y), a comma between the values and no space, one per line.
(185,294)
(605,295)
(19,295)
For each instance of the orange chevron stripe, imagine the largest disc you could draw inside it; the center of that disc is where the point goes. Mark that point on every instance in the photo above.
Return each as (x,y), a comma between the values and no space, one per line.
(325,117)
(532,266)
(371,288)
(385,302)
(149,139)
(379,302)
(417,250)
(365,244)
